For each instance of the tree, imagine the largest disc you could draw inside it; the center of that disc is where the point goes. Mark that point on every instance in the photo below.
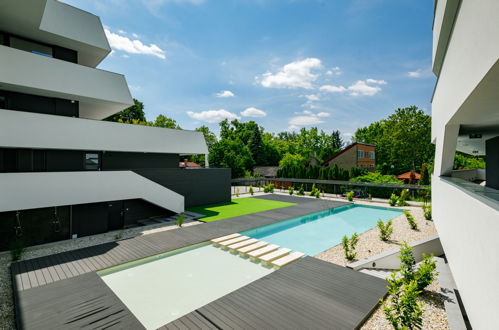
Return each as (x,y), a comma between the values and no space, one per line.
(403,140)
(255,145)
(209,136)
(231,154)
(135,112)
(163,121)
(290,160)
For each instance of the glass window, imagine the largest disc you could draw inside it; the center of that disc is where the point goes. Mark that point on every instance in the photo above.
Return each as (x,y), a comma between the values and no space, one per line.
(30,46)
(92,161)
(372,155)
(360,154)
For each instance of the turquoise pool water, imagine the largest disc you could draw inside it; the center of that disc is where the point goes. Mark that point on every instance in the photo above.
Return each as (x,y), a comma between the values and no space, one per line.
(317,232)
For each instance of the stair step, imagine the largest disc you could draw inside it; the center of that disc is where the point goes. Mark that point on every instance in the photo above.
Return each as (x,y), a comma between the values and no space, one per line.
(262,251)
(225,238)
(287,259)
(234,240)
(274,255)
(242,244)
(252,247)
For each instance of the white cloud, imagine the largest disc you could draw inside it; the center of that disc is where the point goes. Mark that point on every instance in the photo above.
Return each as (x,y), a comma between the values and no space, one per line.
(293,128)
(297,74)
(323,114)
(212,116)
(119,42)
(312,97)
(332,89)
(334,71)
(374,81)
(253,112)
(305,120)
(225,94)
(414,74)
(361,88)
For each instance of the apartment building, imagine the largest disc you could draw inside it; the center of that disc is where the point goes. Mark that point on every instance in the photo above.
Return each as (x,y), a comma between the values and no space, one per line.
(465,110)
(65,173)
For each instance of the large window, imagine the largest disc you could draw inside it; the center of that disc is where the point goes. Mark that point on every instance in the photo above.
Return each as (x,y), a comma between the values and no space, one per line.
(360,153)
(372,155)
(30,46)
(92,161)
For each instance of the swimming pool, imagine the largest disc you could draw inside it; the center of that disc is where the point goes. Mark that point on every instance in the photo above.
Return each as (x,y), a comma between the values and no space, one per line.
(317,232)
(164,287)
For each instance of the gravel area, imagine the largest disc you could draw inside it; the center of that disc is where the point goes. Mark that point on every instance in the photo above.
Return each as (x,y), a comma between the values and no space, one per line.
(370,244)
(7,321)
(434,315)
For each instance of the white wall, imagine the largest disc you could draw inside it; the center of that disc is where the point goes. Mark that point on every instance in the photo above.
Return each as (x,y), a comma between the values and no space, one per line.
(468,230)
(101,93)
(22,191)
(31,130)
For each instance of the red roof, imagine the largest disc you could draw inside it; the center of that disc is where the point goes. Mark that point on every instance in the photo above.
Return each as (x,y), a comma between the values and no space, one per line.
(189,164)
(407,175)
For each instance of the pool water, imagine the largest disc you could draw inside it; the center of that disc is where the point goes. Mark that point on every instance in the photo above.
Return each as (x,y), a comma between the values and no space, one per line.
(317,232)
(162,288)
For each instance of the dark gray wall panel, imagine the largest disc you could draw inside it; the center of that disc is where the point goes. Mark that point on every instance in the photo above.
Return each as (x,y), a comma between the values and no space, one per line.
(89,219)
(198,186)
(492,162)
(132,160)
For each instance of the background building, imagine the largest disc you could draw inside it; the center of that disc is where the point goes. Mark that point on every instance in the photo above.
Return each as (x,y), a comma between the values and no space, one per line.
(357,154)
(465,109)
(63,171)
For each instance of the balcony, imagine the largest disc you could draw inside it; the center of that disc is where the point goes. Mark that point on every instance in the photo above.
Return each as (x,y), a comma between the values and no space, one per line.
(31,130)
(57,23)
(100,93)
(22,191)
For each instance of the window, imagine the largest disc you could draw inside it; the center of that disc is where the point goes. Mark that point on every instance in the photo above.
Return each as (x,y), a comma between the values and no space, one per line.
(360,153)
(92,161)
(372,155)
(31,46)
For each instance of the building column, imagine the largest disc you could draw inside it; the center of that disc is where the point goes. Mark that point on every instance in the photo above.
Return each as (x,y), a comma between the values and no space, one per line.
(206,161)
(492,163)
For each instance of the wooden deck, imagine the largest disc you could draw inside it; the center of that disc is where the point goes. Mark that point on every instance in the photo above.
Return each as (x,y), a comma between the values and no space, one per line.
(63,290)
(308,294)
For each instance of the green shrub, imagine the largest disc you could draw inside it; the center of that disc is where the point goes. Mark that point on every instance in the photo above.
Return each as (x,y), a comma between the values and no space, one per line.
(427,212)
(377,177)
(291,190)
(349,246)
(317,193)
(424,275)
(393,200)
(369,196)
(427,271)
(410,220)
(301,191)
(180,220)
(251,190)
(269,188)
(350,195)
(385,230)
(402,309)
(17,249)
(404,195)
(312,192)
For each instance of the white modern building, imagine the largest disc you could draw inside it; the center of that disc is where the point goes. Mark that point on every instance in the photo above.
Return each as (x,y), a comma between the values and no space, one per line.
(63,171)
(465,110)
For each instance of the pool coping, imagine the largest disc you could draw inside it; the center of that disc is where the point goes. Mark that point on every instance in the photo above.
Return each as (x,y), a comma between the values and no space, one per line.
(30,277)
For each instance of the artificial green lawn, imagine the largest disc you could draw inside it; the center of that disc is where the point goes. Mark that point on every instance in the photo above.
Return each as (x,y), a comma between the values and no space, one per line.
(238,206)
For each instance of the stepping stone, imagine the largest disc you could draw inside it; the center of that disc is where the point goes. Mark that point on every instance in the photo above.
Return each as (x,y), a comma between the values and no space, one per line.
(243,243)
(234,240)
(225,238)
(262,251)
(274,255)
(287,259)
(252,247)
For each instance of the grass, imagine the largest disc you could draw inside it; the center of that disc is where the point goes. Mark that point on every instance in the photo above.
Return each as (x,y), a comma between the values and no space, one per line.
(236,207)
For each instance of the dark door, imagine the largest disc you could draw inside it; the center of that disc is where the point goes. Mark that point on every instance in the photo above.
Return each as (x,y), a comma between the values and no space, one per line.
(116,216)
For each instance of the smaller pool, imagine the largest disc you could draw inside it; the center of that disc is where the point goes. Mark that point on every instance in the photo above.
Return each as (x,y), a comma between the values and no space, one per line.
(162,288)
(317,232)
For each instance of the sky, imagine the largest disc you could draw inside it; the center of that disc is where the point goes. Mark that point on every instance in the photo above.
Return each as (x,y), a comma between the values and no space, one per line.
(286,64)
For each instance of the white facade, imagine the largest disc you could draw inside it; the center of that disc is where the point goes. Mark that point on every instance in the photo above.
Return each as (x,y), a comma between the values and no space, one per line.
(466,100)
(71,77)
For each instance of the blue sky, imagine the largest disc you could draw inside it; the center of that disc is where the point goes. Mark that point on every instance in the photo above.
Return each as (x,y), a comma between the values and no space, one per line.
(334,64)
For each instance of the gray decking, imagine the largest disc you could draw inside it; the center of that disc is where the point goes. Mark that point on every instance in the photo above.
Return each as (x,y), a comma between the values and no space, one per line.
(53,290)
(308,294)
